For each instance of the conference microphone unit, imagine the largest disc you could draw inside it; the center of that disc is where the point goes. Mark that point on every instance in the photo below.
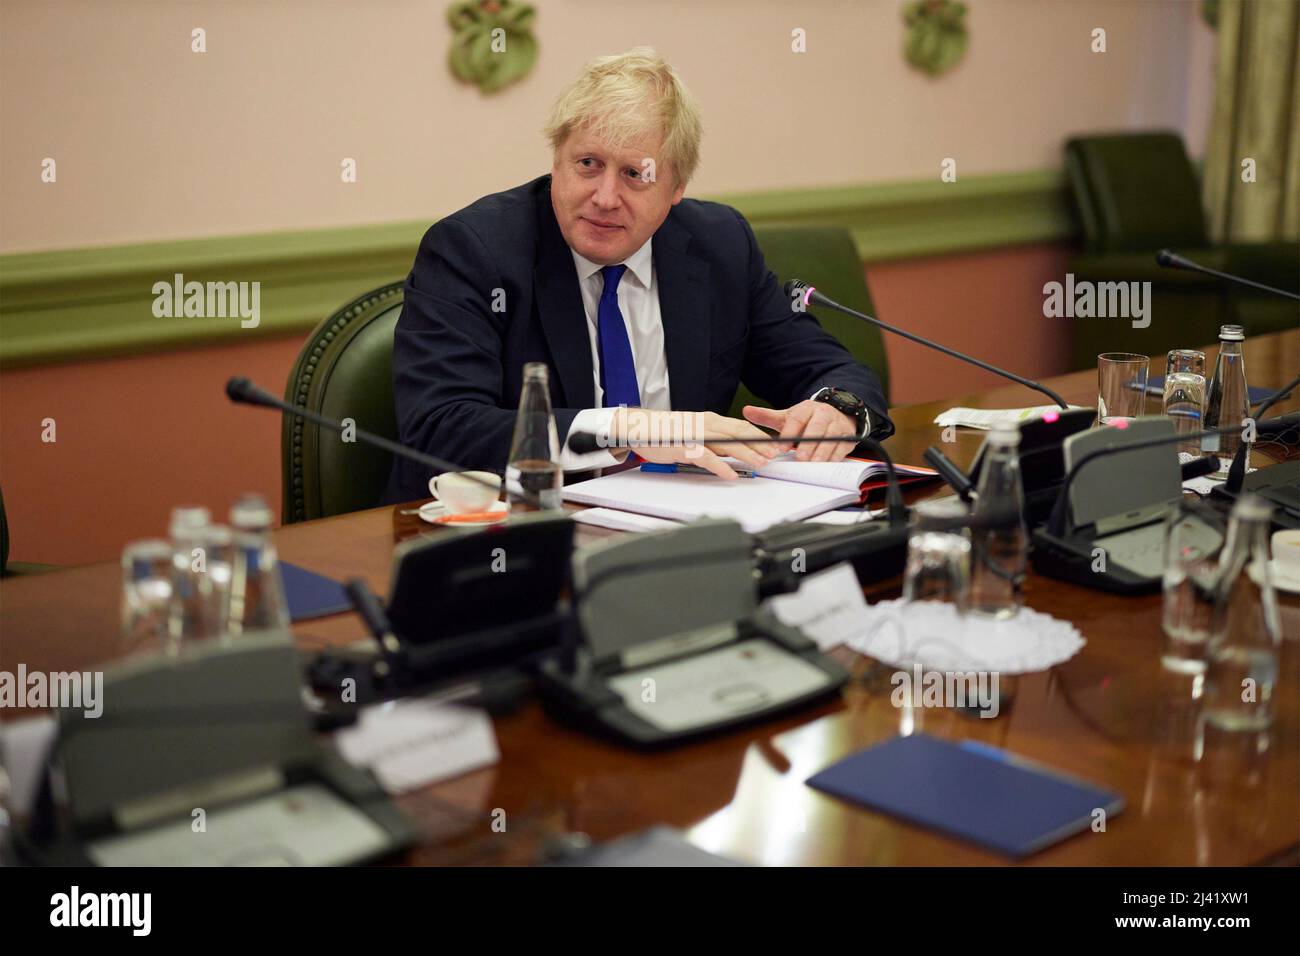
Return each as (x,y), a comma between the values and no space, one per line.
(1111,535)
(244,392)
(1058,522)
(1172,260)
(1237,471)
(1278,484)
(809,295)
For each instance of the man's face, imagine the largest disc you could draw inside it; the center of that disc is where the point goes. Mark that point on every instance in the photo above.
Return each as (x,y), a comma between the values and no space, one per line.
(608,202)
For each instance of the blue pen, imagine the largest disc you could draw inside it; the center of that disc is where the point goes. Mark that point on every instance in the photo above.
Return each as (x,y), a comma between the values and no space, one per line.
(673,469)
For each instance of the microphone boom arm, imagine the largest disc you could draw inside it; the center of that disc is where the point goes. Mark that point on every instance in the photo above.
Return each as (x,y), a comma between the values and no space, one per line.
(811,293)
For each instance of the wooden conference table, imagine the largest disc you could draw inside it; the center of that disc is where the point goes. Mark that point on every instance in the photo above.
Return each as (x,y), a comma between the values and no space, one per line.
(1110,715)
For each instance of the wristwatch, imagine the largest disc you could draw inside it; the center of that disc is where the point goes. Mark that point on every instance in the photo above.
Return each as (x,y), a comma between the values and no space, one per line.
(846,402)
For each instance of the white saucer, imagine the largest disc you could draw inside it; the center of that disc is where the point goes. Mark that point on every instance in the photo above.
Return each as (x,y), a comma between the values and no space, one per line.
(1289,583)
(1281,580)
(435,512)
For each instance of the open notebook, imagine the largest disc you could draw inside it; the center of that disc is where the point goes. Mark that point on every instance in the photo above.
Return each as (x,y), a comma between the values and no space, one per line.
(781,491)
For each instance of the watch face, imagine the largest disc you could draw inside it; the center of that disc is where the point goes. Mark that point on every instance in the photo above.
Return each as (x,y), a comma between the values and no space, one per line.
(846,400)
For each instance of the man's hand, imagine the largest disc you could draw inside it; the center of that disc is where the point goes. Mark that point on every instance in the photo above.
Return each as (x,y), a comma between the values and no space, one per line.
(808,419)
(697,438)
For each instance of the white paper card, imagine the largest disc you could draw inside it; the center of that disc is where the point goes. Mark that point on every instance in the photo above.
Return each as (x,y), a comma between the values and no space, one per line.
(985,419)
(413,743)
(828,607)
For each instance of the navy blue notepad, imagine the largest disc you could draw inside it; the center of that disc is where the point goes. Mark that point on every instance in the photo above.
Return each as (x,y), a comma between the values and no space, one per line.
(1156,387)
(310,594)
(969,790)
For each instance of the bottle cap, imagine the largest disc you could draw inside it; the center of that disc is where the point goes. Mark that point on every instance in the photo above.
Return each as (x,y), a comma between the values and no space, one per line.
(187,518)
(251,513)
(1005,436)
(1232,333)
(1252,508)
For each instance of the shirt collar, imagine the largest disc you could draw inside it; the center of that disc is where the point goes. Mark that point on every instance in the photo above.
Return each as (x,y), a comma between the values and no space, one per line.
(638,263)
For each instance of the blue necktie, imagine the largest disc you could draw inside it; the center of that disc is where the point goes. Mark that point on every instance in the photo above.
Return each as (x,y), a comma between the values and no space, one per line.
(617,370)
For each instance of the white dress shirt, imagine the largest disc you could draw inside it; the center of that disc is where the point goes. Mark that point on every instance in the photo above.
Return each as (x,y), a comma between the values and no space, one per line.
(638,300)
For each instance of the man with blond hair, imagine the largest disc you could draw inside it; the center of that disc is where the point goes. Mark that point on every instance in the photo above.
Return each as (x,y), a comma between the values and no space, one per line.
(648,308)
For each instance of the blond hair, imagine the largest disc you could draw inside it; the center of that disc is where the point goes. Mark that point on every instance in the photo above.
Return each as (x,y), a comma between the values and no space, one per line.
(620,98)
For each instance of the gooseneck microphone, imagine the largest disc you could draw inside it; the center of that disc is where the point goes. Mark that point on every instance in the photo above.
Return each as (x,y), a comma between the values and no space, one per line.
(1237,472)
(954,477)
(1172,260)
(809,295)
(244,392)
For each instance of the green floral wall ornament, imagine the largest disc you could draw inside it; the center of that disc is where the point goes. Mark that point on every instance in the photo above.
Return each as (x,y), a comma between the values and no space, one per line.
(936,34)
(1210,13)
(492,44)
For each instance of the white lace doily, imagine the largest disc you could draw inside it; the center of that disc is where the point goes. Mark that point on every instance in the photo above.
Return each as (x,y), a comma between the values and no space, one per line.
(935,636)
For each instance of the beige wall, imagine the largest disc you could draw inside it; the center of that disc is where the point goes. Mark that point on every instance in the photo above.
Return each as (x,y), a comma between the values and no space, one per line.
(155,142)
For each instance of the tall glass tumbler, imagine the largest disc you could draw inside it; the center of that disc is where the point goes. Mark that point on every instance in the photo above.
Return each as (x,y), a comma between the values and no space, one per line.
(146,593)
(1184,395)
(1191,578)
(1121,386)
(938,554)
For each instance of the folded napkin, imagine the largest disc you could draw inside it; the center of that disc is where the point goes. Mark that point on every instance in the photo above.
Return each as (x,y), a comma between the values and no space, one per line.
(934,635)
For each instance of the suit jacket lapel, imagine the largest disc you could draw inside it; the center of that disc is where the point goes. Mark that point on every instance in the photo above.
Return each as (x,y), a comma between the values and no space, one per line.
(683,283)
(560,309)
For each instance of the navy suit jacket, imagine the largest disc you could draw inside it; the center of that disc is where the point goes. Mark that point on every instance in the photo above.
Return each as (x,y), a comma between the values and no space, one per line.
(494,286)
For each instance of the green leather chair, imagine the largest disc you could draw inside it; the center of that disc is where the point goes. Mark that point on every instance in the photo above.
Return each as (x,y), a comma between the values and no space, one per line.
(1135,193)
(826,257)
(345,370)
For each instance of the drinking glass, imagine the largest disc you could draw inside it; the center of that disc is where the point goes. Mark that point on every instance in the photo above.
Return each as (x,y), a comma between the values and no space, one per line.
(938,554)
(146,592)
(1121,386)
(1184,398)
(1189,595)
(202,566)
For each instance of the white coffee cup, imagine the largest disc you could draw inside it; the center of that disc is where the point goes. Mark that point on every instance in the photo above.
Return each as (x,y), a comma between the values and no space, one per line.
(460,493)
(1286,553)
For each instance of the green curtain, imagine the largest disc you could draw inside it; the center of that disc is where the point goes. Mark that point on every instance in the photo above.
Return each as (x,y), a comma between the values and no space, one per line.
(1256,116)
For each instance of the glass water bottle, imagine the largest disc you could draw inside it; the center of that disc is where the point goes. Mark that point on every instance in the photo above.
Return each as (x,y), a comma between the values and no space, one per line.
(257,600)
(1242,666)
(534,467)
(201,572)
(999,551)
(1227,402)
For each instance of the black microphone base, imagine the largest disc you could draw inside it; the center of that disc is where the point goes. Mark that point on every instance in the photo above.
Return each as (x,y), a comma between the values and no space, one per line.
(1279,485)
(787,553)
(1072,560)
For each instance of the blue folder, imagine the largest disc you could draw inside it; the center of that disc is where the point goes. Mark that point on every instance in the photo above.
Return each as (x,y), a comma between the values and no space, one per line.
(310,594)
(968,790)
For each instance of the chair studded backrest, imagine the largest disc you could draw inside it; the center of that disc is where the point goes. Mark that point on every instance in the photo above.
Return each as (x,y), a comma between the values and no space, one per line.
(344,371)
